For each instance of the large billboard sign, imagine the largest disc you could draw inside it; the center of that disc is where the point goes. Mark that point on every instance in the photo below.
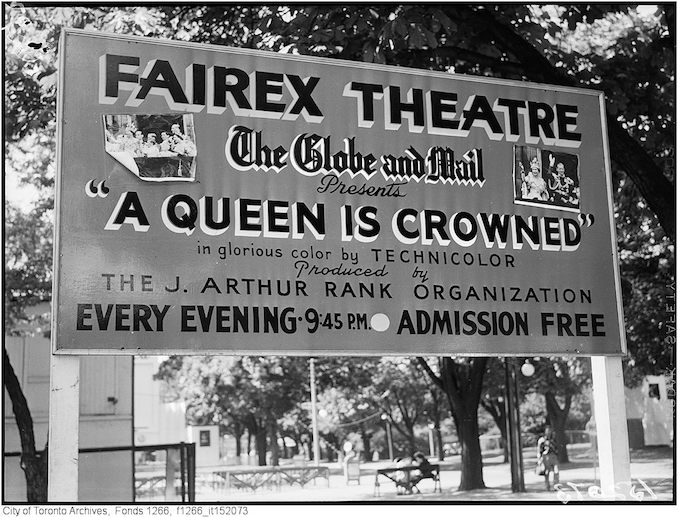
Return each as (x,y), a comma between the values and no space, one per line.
(212,199)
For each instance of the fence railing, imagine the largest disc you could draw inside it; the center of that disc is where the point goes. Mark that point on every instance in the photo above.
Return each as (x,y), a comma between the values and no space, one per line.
(164,472)
(493,442)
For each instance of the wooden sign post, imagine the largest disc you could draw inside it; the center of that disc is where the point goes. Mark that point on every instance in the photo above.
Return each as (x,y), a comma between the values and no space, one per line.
(612,433)
(63,434)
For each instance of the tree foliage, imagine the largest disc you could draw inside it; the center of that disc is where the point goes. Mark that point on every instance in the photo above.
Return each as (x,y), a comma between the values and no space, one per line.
(254,392)
(559,380)
(401,392)
(32,35)
(347,388)
(28,261)
(512,41)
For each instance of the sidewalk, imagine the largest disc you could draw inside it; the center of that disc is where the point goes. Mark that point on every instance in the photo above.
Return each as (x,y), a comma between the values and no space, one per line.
(651,476)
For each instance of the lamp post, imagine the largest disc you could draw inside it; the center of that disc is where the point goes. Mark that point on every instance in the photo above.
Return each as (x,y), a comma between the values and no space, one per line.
(513,426)
(431,448)
(314,417)
(389,438)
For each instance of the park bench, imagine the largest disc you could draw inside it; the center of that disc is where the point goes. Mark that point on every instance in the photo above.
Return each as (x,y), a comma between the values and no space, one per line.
(404,479)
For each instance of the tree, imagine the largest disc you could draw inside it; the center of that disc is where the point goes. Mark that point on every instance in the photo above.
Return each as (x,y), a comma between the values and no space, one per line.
(33,463)
(222,407)
(492,400)
(559,380)
(336,409)
(29,130)
(437,414)
(632,57)
(402,393)
(510,41)
(295,424)
(461,380)
(352,379)
(255,392)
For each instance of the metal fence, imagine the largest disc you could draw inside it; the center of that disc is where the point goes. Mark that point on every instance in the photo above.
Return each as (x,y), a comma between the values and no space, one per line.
(165,472)
(162,473)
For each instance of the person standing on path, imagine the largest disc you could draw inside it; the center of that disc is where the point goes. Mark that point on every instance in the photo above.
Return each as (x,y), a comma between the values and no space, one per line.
(547,456)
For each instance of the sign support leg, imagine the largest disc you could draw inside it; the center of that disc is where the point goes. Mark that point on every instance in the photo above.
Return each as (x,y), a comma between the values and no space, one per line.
(63,437)
(612,433)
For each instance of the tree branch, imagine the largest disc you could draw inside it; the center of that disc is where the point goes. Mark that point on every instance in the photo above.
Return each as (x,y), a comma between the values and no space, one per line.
(33,463)
(450,375)
(478,366)
(670,13)
(461,54)
(655,188)
(490,408)
(434,378)
(22,413)
(568,403)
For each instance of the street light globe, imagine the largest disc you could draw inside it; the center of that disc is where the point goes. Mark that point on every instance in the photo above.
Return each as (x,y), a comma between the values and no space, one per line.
(384,417)
(322,413)
(527,369)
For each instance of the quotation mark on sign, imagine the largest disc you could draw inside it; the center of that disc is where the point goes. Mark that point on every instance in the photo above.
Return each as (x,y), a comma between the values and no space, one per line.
(100,190)
(586,220)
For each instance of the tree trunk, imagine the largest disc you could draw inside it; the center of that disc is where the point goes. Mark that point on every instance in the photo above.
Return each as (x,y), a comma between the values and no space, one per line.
(406,430)
(411,440)
(503,441)
(33,463)
(237,434)
(273,438)
(462,383)
(436,422)
(366,437)
(557,417)
(298,443)
(471,455)
(332,446)
(260,441)
(286,452)
(408,433)
(498,412)
(309,448)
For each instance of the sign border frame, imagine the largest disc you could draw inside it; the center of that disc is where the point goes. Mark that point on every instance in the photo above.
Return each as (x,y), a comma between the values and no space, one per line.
(337,62)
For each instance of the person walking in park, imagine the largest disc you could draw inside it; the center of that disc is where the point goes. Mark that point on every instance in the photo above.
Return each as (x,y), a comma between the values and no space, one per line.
(547,457)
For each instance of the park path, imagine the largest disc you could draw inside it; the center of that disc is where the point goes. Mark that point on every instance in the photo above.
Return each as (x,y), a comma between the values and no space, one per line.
(651,473)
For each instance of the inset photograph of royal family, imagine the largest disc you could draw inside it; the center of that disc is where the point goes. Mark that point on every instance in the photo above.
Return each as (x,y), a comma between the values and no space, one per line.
(153,147)
(543,177)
